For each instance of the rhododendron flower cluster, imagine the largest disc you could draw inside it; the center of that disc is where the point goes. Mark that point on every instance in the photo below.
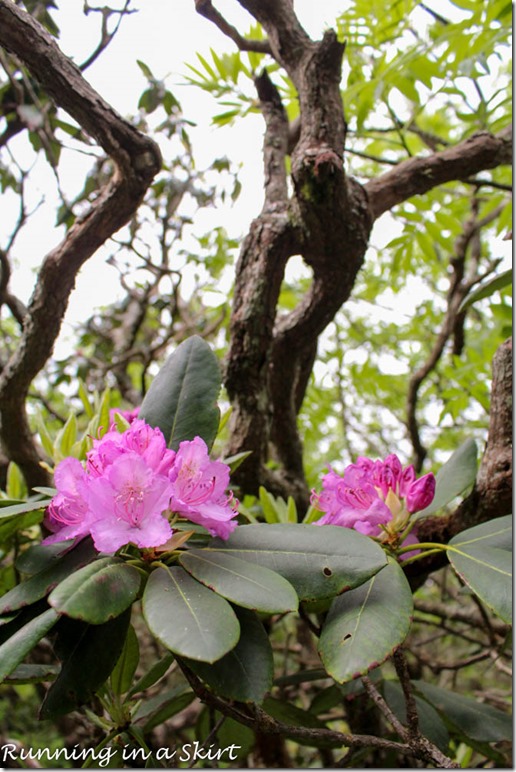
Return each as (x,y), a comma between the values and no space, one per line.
(131,484)
(376,498)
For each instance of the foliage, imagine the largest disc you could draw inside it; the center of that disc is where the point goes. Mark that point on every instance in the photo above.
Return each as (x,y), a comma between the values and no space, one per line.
(286,644)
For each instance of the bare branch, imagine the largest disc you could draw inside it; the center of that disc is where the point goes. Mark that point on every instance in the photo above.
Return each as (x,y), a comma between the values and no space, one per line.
(416,176)
(206,9)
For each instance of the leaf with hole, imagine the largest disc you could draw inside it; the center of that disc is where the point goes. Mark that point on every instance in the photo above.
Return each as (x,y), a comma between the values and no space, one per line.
(365,625)
(319,561)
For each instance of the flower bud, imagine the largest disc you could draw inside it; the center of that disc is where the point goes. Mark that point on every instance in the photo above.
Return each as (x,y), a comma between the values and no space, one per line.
(420,493)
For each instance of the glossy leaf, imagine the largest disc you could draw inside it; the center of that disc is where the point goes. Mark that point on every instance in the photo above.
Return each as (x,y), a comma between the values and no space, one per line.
(241,582)
(187,618)
(164,706)
(90,654)
(473,719)
(245,673)
(319,561)
(182,398)
(482,557)
(15,648)
(364,626)
(41,583)
(457,474)
(98,591)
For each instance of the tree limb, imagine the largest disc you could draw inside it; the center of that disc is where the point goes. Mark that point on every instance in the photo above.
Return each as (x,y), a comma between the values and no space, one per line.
(136,159)
(416,176)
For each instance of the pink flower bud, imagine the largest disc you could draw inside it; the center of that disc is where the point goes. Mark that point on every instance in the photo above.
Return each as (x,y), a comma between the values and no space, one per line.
(421,493)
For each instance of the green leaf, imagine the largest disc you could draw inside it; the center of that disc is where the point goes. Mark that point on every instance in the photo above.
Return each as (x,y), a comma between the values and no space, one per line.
(18,645)
(364,626)
(123,673)
(91,652)
(187,618)
(482,557)
(319,561)
(487,288)
(430,723)
(473,719)
(241,582)
(98,591)
(26,506)
(15,486)
(182,399)
(245,673)
(164,706)
(32,674)
(457,474)
(156,672)
(41,583)
(290,714)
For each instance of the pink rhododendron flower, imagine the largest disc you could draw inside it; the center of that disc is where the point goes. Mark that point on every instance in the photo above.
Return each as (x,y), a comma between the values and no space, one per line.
(132,483)
(68,512)
(376,498)
(199,486)
(127,503)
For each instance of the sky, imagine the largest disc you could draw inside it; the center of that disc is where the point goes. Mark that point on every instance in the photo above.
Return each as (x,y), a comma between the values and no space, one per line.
(164,35)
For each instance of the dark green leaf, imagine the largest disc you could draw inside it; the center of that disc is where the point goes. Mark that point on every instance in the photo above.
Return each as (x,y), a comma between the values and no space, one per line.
(18,645)
(319,561)
(245,673)
(187,618)
(41,583)
(182,399)
(364,626)
(124,670)
(91,654)
(41,556)
(471,718)
(457,474)
(430,723)
(482,557)
(241,582)
(97,592)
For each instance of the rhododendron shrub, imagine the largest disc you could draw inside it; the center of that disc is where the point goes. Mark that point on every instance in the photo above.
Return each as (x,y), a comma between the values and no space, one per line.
(143,521)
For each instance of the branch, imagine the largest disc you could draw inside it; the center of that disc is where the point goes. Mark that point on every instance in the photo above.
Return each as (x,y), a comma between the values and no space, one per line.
(416,176)
(492,494)
(205,8)
(136,159)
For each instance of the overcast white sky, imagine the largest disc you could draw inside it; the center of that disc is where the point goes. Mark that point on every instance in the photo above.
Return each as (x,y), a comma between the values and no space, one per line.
(165,35)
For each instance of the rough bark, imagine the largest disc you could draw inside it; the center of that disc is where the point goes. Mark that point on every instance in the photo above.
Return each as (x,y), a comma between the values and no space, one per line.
(492,494)
(326,219)
(136,160)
